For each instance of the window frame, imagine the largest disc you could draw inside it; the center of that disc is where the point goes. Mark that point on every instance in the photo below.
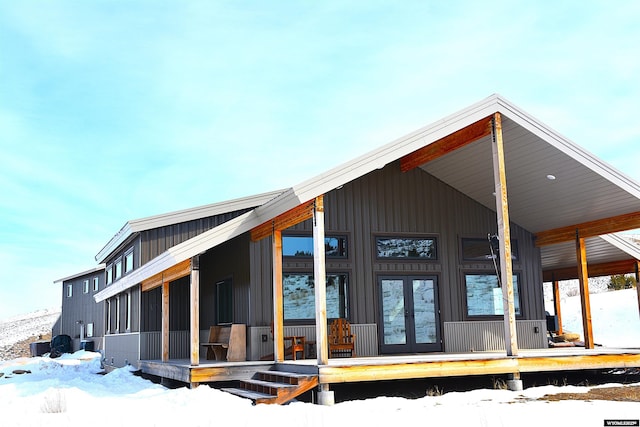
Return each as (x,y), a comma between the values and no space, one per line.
(517,294)
(108,275)
(515,254)
(412,236)
(96,284)
(117,269)
(345,304)
(85,286)
(69,292)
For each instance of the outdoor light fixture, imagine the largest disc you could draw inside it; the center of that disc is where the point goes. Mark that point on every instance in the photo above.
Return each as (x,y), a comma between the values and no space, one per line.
(551,177)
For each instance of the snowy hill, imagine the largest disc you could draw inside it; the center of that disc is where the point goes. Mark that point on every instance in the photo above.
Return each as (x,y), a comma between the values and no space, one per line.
(25,327)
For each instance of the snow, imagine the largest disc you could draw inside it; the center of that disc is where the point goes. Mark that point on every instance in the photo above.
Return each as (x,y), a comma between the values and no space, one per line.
(70,391)
(19,328)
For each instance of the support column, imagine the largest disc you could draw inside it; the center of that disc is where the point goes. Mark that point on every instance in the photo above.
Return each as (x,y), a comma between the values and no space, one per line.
(278,314)
(583,277)
(325,396)
(638,283)
(504,234)
(165,321)
(556,303)
(195,311)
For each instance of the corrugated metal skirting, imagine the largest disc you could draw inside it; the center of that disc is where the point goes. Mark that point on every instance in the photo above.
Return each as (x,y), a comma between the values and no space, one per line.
(462,337)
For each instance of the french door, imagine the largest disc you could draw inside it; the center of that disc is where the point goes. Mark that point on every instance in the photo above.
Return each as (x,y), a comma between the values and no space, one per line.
(409,314)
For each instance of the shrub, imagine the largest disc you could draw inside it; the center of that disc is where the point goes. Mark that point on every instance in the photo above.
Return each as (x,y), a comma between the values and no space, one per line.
(621,281)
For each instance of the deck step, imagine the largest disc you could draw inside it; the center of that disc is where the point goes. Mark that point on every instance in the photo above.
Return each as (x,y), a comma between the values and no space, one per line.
(253,395)
(274,386)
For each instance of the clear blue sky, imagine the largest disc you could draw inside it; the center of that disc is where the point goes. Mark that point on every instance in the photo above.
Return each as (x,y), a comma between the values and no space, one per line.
(111,111)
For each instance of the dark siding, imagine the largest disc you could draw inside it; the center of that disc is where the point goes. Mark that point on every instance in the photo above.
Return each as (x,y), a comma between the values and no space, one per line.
(155,241)
(81,307)
(227,261)
(389,201)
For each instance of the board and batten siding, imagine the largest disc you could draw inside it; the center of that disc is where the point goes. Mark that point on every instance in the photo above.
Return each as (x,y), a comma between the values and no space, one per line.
(390,202)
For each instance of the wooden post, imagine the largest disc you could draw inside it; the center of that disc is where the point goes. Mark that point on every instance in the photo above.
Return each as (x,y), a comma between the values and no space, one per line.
(583,277)
(278,314)
(638,283)
(556,303)
(165,321)
(504,234)
(320,282)
(195,311)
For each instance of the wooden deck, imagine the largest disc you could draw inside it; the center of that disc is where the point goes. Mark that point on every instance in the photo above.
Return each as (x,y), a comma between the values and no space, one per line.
(380,368)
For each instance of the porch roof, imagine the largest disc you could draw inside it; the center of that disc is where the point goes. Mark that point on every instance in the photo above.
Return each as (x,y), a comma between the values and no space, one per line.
(584,189)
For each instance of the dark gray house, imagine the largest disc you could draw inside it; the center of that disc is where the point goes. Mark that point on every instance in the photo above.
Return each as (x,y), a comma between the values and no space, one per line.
(82,318)
(437,243)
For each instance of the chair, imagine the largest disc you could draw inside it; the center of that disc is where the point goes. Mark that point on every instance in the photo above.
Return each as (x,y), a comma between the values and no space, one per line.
(293,345)
(341,340)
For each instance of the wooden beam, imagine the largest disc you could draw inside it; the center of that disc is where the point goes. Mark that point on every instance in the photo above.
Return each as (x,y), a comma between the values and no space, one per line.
(583,277)
(172,273)
(556,303)
(504,235)
(445,145)
(278,299)
(595,270)
(194,296)
(283,221)
(613,224)
(320,283)
(638,283)
(165,322)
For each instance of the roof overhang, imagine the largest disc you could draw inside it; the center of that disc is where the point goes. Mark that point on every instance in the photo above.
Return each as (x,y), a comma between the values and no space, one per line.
(162,220)
(96,269)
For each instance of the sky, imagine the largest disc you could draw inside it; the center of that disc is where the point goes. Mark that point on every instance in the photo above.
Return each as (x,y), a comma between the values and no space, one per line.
(67,391)
(112,111)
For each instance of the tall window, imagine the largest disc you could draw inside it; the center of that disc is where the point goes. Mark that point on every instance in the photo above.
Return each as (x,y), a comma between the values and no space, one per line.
(118,269)
(109,274)
(117,313)
(108,315)
(128,315)
(406,248)
(95,284)
(302,246)
(300,301)
(484,295)
(69,290)
(128,261)
(85,286)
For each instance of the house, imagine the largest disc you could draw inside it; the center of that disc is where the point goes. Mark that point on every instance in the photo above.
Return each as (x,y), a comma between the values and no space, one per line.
(82,318)
(434,246)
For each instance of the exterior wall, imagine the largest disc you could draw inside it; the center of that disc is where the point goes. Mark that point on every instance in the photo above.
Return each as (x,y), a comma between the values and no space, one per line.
(81,307)
(390,202)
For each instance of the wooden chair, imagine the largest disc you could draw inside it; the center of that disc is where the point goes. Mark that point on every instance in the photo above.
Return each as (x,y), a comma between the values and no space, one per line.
(341,340)
(292,345)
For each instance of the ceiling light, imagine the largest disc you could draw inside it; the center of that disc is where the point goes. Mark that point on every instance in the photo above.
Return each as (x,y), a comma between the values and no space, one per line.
(551,177)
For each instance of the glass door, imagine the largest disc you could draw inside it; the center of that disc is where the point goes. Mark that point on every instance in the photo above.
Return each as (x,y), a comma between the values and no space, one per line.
(409,314)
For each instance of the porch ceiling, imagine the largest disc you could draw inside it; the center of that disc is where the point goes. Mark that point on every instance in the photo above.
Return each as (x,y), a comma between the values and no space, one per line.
(579,193)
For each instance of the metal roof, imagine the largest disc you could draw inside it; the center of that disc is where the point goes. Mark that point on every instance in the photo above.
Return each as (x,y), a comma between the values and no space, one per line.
(84,273)
(585,188)
(162,220)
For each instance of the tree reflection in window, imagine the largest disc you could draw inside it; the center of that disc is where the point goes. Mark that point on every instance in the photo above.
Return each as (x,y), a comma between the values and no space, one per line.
(300,301)
(406,247)
(302,246)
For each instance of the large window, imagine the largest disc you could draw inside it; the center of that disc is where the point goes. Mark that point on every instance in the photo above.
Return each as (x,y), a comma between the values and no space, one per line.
(485,249)
(484,295)
(411,248)
(302,246)
(300,300)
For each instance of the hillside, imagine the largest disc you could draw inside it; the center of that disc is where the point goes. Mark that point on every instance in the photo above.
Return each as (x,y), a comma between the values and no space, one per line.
(18,332)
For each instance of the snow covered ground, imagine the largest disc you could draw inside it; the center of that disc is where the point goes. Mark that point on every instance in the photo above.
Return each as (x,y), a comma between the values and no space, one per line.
(68,391)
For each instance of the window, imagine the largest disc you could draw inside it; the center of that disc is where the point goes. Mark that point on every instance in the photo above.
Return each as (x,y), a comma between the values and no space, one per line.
(484,295)
(96,284)
(117,313)
(481,249)
(128,261)
(406,248)
(108,313)
(128,316)
(85,286)
(302,246)
(69,290)
(109,274)
(300,300)
(89,330)
(118,269)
